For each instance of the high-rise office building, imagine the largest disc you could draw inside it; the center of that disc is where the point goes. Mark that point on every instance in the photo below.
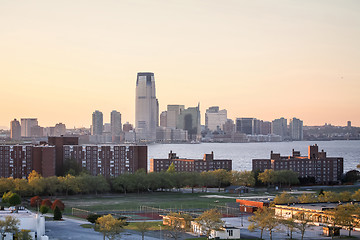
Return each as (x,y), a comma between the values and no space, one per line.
(59,129)
(229,126)
(296,129)
(189,119)
(97,123)
(127,127)
(15,130)
(279,127)
(146,107)
(26,125)
(172,115)
(265,128)
(163,119)
(245,125)
(115,121)
(215,118)
(349,124)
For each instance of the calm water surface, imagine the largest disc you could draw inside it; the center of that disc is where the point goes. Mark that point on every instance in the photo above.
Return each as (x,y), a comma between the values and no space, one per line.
(243,153)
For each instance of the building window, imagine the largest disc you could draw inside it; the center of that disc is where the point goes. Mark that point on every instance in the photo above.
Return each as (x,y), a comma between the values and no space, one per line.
(230,232)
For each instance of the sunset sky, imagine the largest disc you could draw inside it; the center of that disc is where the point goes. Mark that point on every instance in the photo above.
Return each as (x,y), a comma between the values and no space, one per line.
(61,60)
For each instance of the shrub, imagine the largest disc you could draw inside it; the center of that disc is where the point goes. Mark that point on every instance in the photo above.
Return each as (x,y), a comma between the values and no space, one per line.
(57,213)
(58,203)
(93,217)
(44,209)
(14,199)
(35,201)
(47,202)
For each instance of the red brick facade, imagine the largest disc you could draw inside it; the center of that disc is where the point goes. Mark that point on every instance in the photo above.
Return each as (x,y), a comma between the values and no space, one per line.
(324,169)
(208,163)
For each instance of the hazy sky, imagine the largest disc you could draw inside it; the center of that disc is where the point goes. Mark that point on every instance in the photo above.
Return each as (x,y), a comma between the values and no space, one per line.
(61,60)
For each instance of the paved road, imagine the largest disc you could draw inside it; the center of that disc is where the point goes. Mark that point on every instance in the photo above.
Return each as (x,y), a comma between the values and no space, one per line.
(71,229)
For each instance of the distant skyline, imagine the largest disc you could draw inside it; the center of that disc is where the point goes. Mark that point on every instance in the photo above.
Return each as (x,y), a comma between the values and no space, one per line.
(60,61)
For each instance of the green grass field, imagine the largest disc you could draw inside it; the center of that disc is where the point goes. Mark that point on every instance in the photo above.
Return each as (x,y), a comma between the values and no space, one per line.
(168,200)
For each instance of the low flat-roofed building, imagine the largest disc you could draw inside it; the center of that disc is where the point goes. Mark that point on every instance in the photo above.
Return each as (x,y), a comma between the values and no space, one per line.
(208,163)
(35,223)
(316,212)
(252,206)
(226,232)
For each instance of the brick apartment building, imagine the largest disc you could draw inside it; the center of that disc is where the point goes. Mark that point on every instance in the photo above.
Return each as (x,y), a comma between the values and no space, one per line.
(59,143)
(208,163)
(108,160)
(18,161)
(324,169)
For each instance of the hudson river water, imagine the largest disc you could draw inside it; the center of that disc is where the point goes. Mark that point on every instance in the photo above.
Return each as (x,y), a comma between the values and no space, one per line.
(242,153)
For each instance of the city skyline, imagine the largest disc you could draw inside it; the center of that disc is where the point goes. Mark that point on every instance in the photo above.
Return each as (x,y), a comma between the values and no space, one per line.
(266,60)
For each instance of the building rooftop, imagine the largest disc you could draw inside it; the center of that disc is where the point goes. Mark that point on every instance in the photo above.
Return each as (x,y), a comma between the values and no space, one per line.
(312,206)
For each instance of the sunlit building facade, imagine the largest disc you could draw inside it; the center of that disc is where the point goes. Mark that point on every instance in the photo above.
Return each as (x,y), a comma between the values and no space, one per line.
(146,108)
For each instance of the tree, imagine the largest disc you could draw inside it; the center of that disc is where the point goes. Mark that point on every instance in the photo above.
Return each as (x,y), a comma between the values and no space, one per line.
(286,176)
(53,185)
(210,220)
(109,226)
(356,195)
(70,183)
(351,176)
(58,203)
(100,184)
(44,209)
(302,222)
(13,199)
(6,196)
(6,185)
(290,224)
(57,213)
(35,201)
(153,181)
(93,217)
(307,198)
(345,196)
(243,178)
(207,180)
(36,182)
(22,187)
(342,215)
(143,227)
(9,224)
(46,202)
(258,221)
(24,235)
(264,219)
(192,180)
(178,223)
(283,198)
(329,196)
(122,183)
(71,166)
(171,168)
(222,177)
(267,177)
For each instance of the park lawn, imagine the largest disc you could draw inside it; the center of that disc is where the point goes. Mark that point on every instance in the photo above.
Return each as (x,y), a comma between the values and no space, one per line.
(133,201)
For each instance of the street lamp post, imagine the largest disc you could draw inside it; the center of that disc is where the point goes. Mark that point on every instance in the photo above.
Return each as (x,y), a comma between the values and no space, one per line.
(160,232)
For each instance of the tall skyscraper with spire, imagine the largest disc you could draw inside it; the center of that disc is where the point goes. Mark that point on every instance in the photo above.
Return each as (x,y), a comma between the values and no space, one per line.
(146,107)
